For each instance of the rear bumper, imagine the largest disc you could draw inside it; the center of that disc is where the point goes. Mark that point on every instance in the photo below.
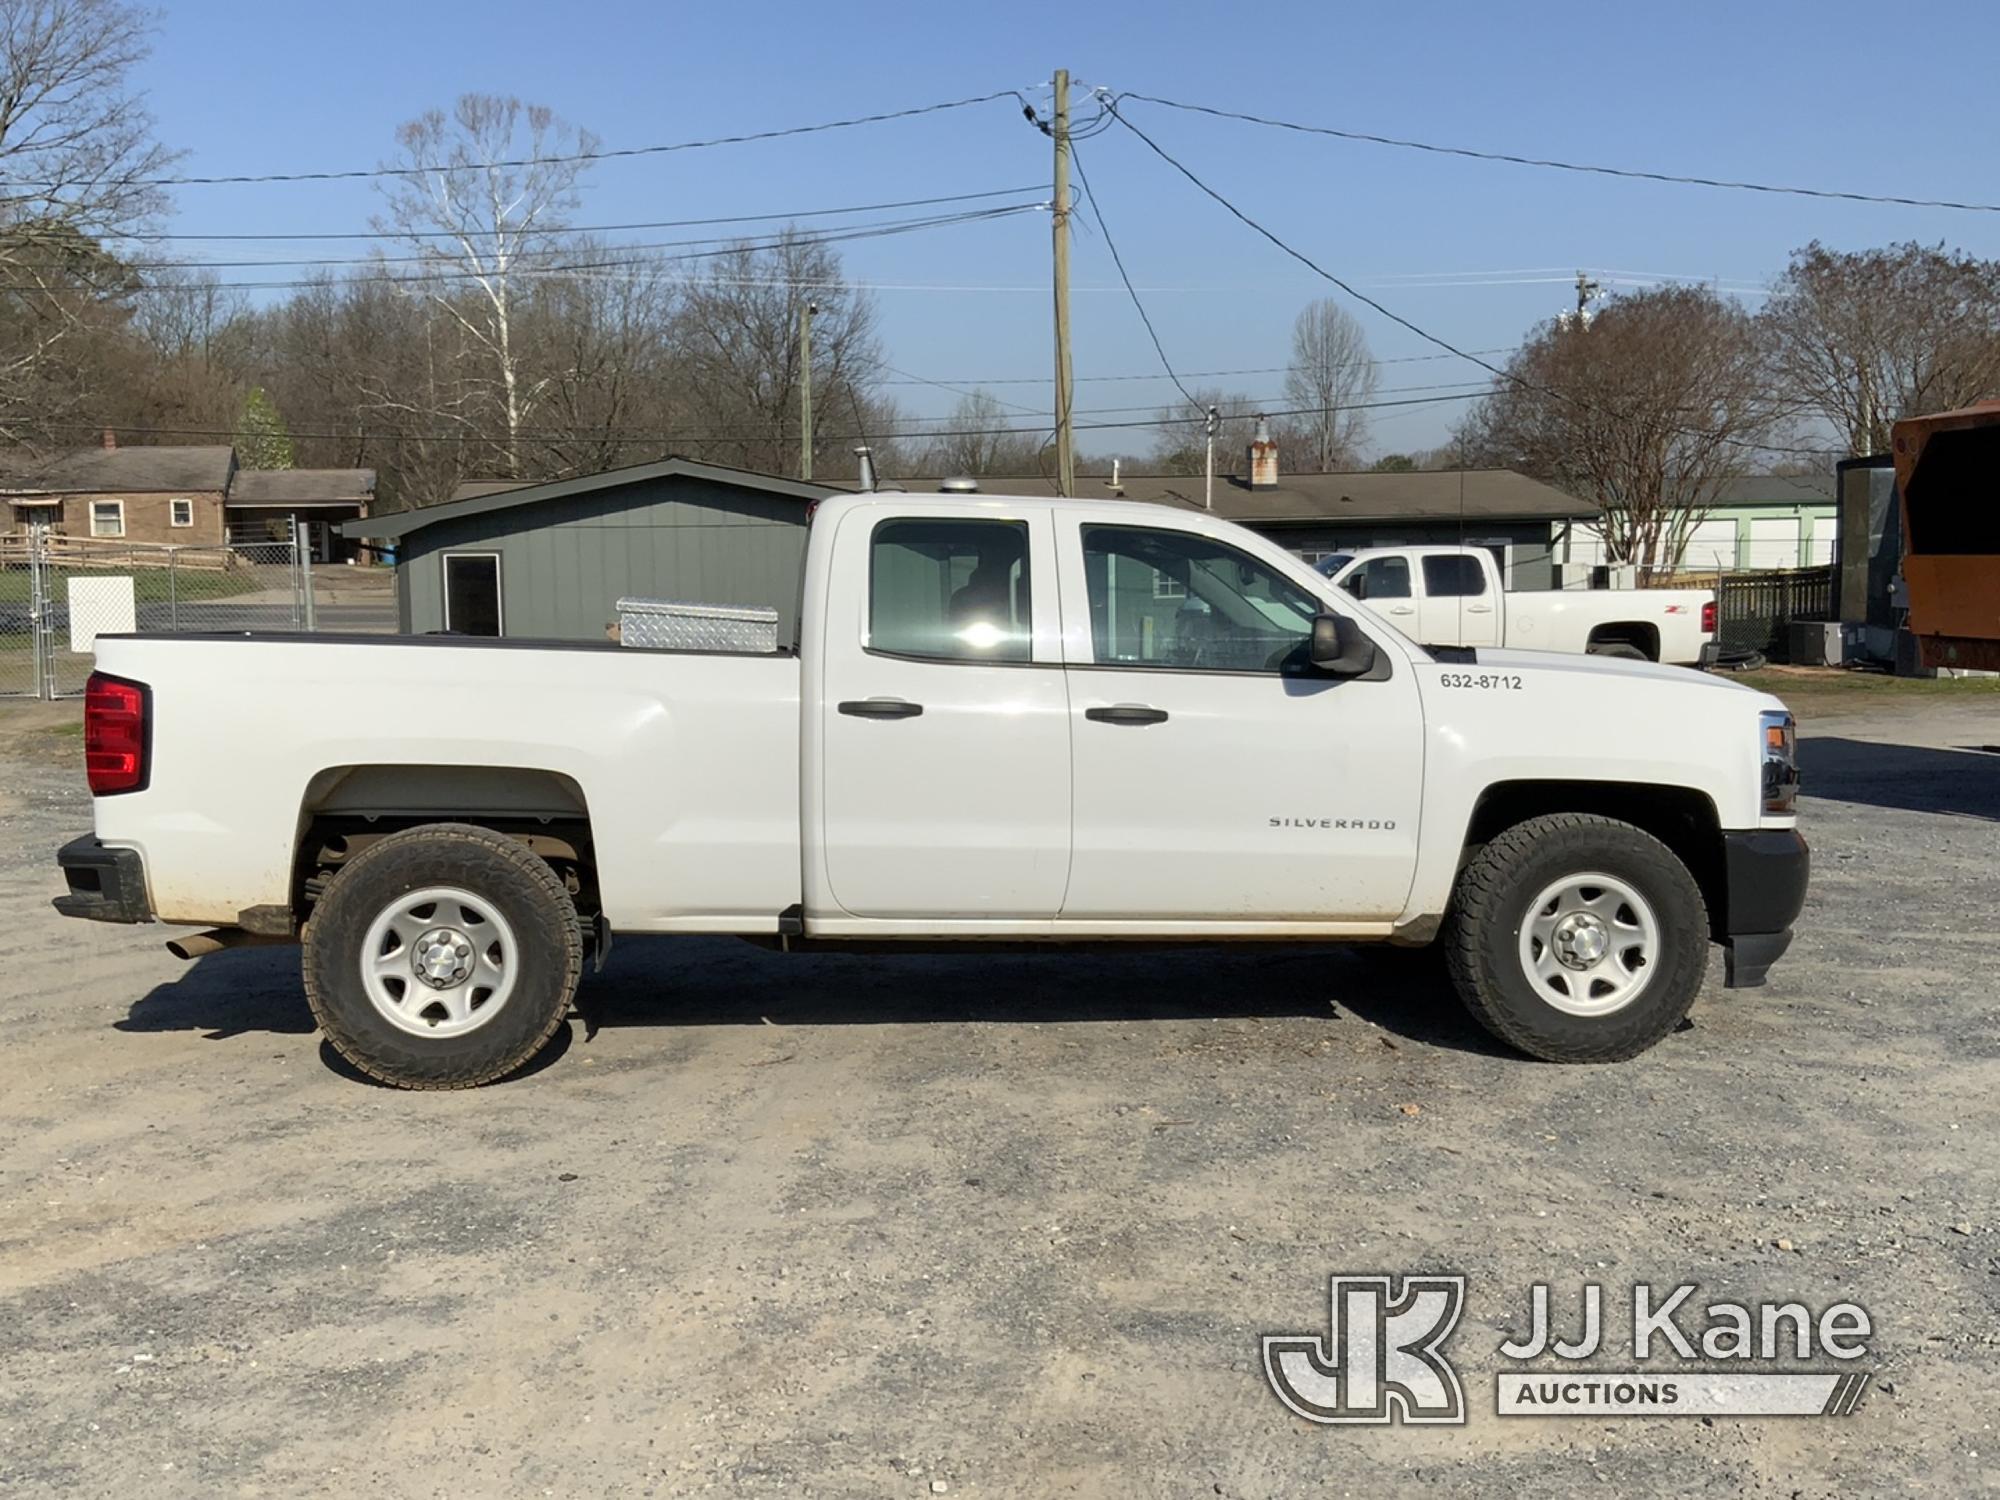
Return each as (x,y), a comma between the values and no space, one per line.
(1767,871)
(105,885)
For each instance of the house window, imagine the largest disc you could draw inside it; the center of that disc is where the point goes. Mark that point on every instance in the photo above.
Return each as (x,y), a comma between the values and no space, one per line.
(181,512)
(107,518)
(472,593)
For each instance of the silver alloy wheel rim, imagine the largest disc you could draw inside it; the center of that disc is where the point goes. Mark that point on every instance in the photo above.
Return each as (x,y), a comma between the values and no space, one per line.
(439,962)
(1589,944)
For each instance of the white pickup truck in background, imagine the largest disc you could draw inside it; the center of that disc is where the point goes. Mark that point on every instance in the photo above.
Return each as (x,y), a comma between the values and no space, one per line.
(1452,596)
(1012,720)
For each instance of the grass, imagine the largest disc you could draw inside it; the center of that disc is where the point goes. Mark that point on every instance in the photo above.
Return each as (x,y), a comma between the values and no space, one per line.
(149,585)
(1829,690)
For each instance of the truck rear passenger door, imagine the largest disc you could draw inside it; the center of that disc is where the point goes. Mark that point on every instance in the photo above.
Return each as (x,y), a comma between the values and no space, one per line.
(945,716)
(1460,604)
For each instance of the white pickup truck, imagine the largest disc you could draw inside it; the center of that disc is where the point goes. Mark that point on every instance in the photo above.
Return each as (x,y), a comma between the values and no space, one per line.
(1452,596)
(1010,720)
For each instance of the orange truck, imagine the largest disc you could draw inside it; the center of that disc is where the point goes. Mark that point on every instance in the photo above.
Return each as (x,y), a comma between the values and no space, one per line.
(1948,474)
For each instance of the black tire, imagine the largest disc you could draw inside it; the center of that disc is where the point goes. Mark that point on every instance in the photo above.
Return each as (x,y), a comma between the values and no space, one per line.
(1624,650)
(1492,903)
(502,872)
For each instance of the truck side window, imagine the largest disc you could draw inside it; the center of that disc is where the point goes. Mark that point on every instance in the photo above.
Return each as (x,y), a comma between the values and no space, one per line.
(1380,578)
(1453,576)
(1175,599)
(950,590)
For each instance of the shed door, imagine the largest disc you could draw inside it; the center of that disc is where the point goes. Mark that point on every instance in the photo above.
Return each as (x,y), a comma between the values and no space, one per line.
(472,593)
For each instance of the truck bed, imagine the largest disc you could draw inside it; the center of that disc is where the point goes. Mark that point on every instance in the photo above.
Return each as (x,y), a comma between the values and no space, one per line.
(689,761)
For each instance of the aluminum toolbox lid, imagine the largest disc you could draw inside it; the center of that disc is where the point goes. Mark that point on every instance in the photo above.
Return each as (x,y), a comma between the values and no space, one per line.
(748,614)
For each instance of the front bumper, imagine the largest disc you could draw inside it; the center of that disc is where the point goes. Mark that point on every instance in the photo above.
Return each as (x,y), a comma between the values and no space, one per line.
(1767,871)
(105,885)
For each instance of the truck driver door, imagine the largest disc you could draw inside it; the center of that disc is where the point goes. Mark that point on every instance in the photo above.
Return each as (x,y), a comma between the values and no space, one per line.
(1218,776)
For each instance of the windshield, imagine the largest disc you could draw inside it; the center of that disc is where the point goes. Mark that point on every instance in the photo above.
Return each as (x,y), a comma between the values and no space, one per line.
(1328,566)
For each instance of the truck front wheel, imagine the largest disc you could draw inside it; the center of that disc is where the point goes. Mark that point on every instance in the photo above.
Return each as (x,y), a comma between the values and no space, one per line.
(1577,938)
(442,957)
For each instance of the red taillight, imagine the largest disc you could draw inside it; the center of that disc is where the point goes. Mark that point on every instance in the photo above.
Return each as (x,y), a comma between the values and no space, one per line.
(1708,617)
(114,735)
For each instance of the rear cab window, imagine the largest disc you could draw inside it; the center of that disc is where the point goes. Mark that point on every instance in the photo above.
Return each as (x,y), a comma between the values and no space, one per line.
(950,590)
(1453,576)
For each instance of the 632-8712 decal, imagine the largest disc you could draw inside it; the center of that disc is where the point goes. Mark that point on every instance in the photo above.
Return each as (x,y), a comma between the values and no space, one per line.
(1507,680)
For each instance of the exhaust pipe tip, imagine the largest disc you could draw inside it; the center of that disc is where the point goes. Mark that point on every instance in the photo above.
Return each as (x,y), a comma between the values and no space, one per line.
(197,945)
(201,944)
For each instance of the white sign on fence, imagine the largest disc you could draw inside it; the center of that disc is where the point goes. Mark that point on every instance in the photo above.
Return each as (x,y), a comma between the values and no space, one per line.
(99,606)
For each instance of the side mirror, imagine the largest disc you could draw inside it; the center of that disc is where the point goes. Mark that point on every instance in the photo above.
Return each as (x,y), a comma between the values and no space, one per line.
(1339,648)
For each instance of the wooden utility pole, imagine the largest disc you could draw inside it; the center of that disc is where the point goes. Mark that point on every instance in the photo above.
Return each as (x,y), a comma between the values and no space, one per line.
(806,389)
(1586,293)
(1065,441)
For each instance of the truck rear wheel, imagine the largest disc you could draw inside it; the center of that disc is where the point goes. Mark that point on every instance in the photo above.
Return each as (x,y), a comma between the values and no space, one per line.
(1577,938)
(442,957)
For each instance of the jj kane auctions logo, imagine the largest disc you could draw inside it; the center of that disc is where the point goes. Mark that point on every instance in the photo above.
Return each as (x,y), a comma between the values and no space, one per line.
(1383,1357)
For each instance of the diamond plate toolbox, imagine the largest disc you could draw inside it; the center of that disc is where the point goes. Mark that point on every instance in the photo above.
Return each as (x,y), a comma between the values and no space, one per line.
(667,625)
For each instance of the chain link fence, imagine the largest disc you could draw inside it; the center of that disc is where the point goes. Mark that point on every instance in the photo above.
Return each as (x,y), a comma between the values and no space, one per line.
(58,593)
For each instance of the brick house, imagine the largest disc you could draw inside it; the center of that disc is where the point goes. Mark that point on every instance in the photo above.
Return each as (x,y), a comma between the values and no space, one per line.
(126,494)
(190,496)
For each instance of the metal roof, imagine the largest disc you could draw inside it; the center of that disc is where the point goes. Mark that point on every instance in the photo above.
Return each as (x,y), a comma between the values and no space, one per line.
(465,503)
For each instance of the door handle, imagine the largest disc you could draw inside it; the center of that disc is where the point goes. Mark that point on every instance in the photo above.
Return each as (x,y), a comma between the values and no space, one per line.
(881,708)
(1127,713)
(1403,609)
(1479,609)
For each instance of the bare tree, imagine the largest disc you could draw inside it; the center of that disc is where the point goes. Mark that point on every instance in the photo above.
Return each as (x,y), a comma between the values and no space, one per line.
(739,344)
(1330,376)
(604,343)
(984,436)
(1864,338)
(488,208)
(1180,443)
(76,159)
(1645,411)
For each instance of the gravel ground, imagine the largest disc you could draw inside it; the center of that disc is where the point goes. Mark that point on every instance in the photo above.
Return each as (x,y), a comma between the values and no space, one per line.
(909,1226)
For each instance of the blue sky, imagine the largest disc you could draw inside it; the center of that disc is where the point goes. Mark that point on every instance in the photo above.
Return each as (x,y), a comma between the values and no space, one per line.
(1791,93)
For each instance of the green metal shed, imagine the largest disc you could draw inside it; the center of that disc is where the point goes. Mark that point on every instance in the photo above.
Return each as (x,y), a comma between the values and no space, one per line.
(551,561)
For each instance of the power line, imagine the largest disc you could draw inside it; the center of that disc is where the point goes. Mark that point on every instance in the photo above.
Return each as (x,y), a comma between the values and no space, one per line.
(803,213)
(1097,213)
(1397,318)
(386,435)
(1684,179)
(433,256)
(980,380)
(831,236)
(619,153)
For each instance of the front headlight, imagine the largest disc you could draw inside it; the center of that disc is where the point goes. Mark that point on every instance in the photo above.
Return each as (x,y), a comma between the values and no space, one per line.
(1779,733)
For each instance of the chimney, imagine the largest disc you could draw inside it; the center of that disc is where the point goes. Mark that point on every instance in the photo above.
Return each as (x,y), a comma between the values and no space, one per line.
(864,463)
(1117,485)
(110,440)
(1263,458)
